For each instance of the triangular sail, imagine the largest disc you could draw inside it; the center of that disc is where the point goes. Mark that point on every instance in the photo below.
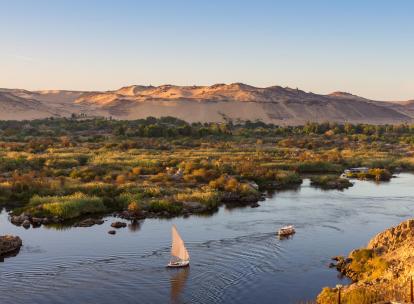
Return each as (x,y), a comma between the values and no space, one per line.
(178,249)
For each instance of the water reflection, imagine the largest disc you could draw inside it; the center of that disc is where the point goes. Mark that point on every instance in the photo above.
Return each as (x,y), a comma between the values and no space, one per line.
(177,282)
(135,225)
(9,255)
(236,255)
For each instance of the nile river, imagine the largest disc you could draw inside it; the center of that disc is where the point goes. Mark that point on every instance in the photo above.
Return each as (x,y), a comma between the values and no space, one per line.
(235,254)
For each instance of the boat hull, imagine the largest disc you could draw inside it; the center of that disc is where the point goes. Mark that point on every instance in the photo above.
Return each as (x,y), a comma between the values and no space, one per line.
(178,264)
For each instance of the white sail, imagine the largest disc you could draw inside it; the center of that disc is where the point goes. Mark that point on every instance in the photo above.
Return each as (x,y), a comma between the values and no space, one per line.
(178,249)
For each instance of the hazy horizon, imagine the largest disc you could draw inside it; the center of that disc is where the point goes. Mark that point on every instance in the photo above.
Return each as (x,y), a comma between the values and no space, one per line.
(320,46)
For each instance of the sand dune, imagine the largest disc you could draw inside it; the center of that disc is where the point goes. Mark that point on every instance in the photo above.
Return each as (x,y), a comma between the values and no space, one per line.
(235,101)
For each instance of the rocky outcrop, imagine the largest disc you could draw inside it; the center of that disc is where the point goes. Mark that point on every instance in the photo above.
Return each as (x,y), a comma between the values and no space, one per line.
(9,244)
(399,238)
(89,222)
(383,268)
(118,225)
(194,207)
(133,216)
(26,220)
(327,182)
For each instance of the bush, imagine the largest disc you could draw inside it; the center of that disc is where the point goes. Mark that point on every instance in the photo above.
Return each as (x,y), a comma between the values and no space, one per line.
(319,166)
(134,208)
(209,198)
(158,206)
(376,174)
(366,264)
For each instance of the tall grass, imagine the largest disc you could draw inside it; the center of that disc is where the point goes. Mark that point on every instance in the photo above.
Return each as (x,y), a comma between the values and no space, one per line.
(68,207)
(158,206)
(209,198)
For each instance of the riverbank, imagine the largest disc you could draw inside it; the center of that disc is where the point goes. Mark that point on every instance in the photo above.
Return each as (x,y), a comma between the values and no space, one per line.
(236,255)
(75,209)
(63,169)
(380,271)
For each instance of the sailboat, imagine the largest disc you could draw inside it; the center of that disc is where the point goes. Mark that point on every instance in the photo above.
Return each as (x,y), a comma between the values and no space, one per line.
(179,254)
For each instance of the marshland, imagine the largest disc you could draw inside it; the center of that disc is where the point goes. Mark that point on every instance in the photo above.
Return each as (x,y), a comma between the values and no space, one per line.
(55,174)
(64,169)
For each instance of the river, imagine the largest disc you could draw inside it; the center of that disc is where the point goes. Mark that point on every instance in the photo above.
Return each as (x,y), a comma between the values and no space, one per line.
(235,254)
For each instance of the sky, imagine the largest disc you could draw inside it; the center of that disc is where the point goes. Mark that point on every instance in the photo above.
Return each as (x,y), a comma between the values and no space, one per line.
(362,47)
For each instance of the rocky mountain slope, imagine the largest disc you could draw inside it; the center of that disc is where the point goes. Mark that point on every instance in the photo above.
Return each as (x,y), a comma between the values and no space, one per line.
(381,271)
(218,102)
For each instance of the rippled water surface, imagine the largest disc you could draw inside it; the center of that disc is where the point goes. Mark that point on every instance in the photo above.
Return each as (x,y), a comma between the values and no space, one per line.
(235,254)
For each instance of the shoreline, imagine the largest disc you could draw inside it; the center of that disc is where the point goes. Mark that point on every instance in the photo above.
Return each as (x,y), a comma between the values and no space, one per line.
(233,200)
(128,241)
(380,271)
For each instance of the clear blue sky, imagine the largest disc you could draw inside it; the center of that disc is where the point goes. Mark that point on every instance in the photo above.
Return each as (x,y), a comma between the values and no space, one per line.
(364,47)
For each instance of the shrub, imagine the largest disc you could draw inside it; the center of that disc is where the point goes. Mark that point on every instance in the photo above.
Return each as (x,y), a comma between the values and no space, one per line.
(376,174)
(365,263)
(209,198)
(134,208)
(318,166)
(158,206)
(136,171)
(160,177)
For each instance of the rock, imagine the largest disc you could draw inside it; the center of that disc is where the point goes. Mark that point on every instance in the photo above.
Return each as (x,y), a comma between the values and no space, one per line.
(9,244)
(390,257)
(56,220)
(36,222)
(89,222)
(112,232)
(254,205)
(194,207)
(26,224)
(19,219)
(131,215)
(16,220)
(25,220)
(118,224)
(240,198)
(85,223)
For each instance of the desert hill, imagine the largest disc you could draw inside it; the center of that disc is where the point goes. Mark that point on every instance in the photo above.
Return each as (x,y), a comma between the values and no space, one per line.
(236,101)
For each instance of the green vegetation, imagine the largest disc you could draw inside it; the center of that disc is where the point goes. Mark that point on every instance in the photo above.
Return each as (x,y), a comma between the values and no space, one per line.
(210,198)
(327,182)
(158,206)
(66,207)
(376,174)
(162,166)
(366,264)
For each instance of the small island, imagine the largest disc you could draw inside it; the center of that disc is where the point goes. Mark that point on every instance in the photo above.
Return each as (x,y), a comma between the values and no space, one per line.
(328,182)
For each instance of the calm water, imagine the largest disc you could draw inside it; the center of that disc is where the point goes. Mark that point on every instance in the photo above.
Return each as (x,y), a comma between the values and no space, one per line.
(235,255)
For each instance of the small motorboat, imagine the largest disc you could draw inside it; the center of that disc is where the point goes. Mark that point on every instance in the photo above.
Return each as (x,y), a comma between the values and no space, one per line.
(179,254)
(286,231)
